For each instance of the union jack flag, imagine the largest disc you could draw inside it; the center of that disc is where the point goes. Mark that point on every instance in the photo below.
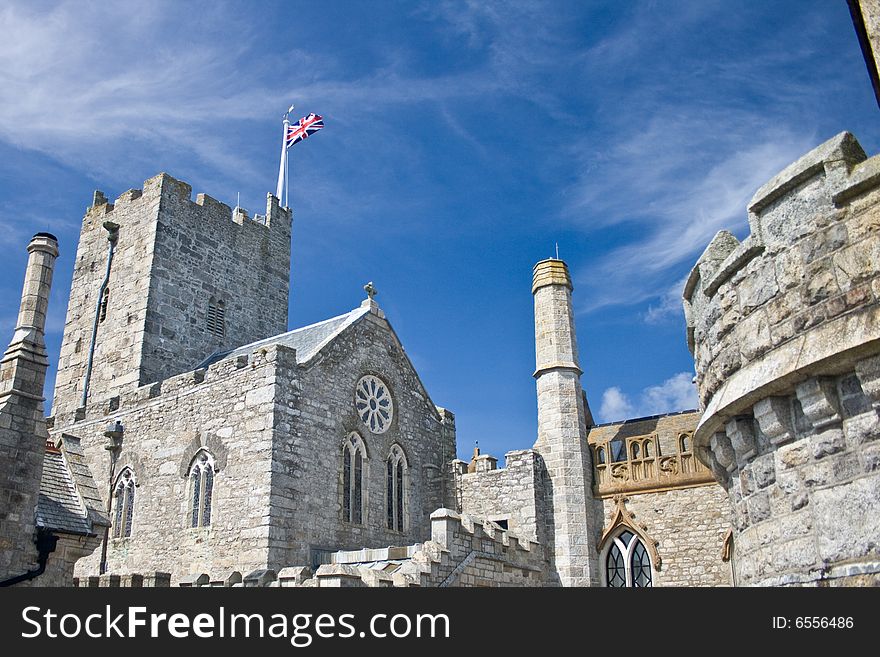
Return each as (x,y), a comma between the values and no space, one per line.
(303,128)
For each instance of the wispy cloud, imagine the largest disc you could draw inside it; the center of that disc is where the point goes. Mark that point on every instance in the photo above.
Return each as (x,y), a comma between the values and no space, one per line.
(680,151)
(677,393)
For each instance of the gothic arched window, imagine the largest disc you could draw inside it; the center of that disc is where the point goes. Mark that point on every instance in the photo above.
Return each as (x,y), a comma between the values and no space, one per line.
(395,489)
(201,478)
(123,501)
(627,562)
(354,455)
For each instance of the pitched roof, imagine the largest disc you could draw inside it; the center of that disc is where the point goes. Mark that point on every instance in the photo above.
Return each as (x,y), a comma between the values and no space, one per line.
(59,506)
(68,500)
(307,340)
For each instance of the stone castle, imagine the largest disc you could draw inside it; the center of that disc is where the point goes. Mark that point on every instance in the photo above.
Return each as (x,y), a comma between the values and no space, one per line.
(196,441)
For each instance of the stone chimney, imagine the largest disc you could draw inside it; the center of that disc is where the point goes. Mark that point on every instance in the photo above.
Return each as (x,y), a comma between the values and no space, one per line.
(23,432)
(562,428)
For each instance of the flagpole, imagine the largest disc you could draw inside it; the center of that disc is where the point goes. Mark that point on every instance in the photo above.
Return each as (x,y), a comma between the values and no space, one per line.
(287,178)
(282,166)
(279,188)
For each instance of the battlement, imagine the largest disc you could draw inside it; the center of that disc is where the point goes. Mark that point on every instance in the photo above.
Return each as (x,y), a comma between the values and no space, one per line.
(801,290)
(463,551)
(232,368)
(204,207)
(187,278)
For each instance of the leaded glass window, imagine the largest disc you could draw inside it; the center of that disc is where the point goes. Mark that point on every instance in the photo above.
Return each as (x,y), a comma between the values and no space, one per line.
(627,563)
(373,402)
(201,477)
(641,565)
(615,569)
(123,500)
(346,484)
(357,505)
(396,478)
(354,455)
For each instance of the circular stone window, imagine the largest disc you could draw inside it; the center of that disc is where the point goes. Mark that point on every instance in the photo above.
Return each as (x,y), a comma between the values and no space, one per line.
(373,402)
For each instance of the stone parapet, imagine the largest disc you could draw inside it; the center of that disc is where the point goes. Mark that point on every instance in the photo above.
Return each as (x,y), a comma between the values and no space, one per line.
(463,551)
(798,296)
(646,455)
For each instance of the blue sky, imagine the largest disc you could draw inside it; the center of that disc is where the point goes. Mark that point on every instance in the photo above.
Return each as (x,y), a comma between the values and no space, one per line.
(462,140)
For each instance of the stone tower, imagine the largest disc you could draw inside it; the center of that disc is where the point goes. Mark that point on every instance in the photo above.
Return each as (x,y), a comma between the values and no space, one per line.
(23,430)
(182,280)
(785,332)
(562,428)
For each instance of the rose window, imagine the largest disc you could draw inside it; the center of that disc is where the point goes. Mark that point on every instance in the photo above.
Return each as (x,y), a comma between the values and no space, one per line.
(374,405)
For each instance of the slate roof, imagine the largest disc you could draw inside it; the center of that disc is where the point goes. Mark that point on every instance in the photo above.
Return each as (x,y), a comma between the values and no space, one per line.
(307,340)
(59,506)
(68,500)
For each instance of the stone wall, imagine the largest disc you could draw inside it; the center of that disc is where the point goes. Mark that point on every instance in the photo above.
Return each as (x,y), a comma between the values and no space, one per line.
(689,526)
(648,465)
(785,328)
(646,454)
(514,493)
(225,409)
(60,565)
(172,257)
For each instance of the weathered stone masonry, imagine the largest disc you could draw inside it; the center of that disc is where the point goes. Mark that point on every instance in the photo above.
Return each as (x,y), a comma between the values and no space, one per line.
(22,423)
(173,258)
(275,422)
(785,332)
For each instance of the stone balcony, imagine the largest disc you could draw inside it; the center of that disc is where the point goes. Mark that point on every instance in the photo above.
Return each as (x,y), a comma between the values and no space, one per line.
(638,464)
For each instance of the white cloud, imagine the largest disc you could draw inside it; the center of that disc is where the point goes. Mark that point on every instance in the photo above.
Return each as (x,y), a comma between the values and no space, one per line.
(669,306)
(615,405)
(677,393)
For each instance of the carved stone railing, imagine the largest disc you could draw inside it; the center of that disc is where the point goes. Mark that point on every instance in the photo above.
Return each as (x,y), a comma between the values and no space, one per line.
(636,464)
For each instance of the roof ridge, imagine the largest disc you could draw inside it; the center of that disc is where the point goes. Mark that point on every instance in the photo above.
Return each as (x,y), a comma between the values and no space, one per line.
(346,319)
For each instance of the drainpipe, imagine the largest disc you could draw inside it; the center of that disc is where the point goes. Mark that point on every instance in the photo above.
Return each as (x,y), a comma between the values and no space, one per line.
(112,237)
(46,542)
(114,434)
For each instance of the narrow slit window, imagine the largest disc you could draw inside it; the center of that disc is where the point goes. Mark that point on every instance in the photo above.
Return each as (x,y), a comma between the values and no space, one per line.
(216,318)
(105,300)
